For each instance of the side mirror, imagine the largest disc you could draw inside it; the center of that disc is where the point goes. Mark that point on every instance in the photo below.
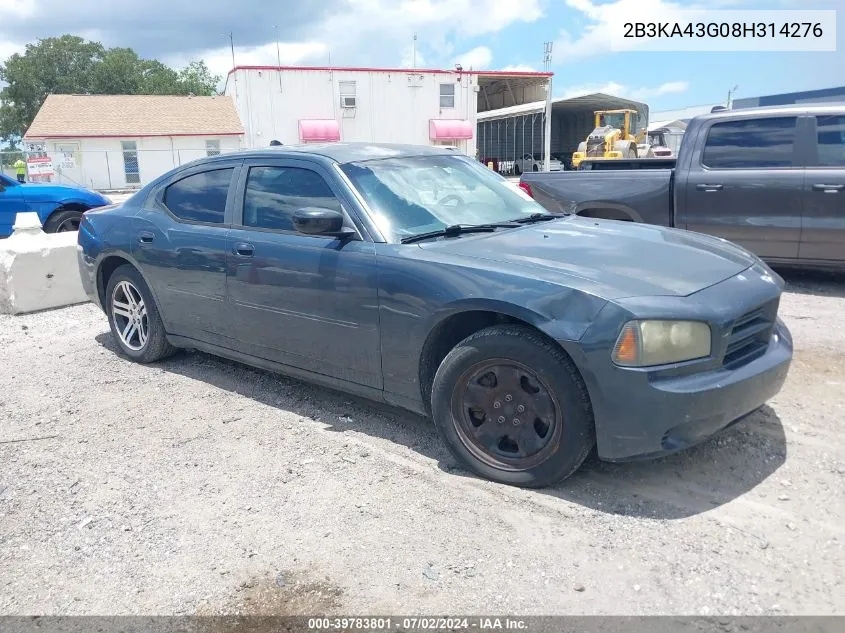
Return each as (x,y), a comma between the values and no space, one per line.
(320,221)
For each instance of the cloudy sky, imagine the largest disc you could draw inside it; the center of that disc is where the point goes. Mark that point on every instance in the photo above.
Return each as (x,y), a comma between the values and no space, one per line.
(490,34)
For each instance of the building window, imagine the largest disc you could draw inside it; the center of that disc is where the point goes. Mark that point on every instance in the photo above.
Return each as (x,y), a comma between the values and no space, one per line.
(750,143)
(200,197)
(212,147)
(130,162)
(348,98)
(447,95)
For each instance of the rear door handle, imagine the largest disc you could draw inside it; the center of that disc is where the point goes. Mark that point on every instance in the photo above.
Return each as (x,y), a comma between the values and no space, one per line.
(709,187)
(828,188)
(244,249)
(145,237)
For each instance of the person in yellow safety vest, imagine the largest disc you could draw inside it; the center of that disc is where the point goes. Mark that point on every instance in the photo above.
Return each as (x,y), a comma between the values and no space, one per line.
(20,169)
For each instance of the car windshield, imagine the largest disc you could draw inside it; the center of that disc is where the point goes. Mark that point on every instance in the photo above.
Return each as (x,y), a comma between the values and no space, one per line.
(413,195)
(7,182)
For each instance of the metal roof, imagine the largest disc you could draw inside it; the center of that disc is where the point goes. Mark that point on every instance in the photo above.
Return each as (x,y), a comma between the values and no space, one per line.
(590,103)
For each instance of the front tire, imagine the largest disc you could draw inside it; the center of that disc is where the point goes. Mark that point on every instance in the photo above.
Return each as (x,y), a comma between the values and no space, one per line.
(512,407)
(62,221)
(133,317)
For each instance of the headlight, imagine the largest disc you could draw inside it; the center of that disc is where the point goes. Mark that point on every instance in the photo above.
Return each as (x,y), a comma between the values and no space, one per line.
(647,343)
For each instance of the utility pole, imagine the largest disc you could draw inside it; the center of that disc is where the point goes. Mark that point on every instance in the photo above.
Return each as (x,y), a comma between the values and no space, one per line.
(414,53)
(547,140)
(235,74)
(278,56)
(731,94)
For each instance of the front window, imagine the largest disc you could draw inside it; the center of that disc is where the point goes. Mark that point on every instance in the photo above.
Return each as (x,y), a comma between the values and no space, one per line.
(615,120)
(418,194)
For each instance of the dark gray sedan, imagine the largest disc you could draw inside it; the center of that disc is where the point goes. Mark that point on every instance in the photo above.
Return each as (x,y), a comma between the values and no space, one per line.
(419,277)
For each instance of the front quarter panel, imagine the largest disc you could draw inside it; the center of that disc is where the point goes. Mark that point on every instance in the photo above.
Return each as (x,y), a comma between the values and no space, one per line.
(415,295)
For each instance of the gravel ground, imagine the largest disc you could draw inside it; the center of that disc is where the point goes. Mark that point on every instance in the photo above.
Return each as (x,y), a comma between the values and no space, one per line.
(202,486)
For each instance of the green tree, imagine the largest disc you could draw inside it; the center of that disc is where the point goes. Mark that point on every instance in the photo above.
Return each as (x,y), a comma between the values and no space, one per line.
(72,65)
(63,65)
(196,79)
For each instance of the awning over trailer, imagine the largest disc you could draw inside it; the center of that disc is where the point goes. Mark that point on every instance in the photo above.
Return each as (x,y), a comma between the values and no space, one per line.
(446,129)
(318,130)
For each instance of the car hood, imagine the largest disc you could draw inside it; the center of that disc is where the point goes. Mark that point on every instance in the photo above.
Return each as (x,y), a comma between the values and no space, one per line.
(612,259)
(48,192)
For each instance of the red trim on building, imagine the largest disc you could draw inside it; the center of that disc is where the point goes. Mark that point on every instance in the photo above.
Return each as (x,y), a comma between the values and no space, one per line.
(364,69)
(130,136)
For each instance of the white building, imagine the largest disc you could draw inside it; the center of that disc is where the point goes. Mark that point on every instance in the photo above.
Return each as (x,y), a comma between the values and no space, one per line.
(389,105)
(119,141)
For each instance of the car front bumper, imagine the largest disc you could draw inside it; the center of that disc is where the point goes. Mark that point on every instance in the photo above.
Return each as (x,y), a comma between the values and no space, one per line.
(642,413)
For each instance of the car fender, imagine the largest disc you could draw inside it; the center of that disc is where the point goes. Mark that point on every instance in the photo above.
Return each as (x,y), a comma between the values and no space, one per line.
(115,252)
(564,316)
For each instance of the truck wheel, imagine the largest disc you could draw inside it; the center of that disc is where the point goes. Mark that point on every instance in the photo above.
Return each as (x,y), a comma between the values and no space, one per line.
(536,167)
(512,407)
(63,220)
(133,317)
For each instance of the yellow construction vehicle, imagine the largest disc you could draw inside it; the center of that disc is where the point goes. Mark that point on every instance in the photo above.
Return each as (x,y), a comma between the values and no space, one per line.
(612,137)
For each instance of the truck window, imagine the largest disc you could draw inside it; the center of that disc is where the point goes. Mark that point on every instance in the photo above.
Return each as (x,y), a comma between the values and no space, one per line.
(750,143)
(830,139)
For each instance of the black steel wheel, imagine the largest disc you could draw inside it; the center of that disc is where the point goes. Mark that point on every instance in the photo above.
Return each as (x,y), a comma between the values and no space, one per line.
(506,415)
(512,407)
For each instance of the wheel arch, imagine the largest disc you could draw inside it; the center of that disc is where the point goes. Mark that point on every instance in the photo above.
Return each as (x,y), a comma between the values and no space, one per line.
(108,263)
(450,328)
(608,211)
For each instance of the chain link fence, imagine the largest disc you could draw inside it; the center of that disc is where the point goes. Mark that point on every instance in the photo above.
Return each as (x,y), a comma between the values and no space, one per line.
(103,170)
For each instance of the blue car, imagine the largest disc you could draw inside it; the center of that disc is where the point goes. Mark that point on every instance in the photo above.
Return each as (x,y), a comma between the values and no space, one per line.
(418,277)
(59,207)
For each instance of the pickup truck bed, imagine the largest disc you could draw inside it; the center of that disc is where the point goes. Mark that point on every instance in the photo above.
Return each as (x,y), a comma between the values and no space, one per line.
(639,196)
(769,179)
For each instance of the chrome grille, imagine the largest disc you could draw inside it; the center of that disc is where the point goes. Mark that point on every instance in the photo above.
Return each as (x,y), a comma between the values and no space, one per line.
(750,335)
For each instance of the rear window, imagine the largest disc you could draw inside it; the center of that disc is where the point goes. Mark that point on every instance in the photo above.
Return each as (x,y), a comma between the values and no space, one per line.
(200,197)
(751,143)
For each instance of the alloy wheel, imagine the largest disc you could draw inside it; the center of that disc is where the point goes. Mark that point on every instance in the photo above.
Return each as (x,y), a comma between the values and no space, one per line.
(130,316)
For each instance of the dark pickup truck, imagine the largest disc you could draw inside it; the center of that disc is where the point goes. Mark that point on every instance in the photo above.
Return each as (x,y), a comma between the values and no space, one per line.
(769,179)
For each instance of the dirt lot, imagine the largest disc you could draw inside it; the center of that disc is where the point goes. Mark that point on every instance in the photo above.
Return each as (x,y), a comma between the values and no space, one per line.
(199,486)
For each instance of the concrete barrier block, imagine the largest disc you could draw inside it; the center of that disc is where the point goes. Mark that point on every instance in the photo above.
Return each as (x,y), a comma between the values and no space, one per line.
(38,271)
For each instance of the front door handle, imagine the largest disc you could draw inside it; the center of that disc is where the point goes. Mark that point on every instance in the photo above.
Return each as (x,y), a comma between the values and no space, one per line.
(828,188)
(709,187)
(145,237)
(244,249)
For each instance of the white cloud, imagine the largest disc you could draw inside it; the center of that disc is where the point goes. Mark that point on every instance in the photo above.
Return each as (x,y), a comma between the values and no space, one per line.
(13,8)
(520,68)
(620,90)
(411,58)
(604,35)
(367,27)
(476,59)
(219,60)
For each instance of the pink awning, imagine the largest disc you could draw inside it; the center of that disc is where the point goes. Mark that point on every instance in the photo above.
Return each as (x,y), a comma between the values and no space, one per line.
(318,130)
(446,129)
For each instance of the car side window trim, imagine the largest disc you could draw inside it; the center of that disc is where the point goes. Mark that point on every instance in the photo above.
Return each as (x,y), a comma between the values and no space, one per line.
(240,198)
(228,213)
(797,153)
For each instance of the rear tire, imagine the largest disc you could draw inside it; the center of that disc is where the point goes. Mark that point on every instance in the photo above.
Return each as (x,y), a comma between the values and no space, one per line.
(134,318)
(517,170)
(511,406)
(63,221)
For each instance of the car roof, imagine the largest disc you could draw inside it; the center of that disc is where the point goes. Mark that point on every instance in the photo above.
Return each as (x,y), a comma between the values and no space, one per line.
(345,152)
(793,109)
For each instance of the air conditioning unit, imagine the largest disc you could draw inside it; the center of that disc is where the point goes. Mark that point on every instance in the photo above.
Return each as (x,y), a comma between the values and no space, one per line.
(347,102)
